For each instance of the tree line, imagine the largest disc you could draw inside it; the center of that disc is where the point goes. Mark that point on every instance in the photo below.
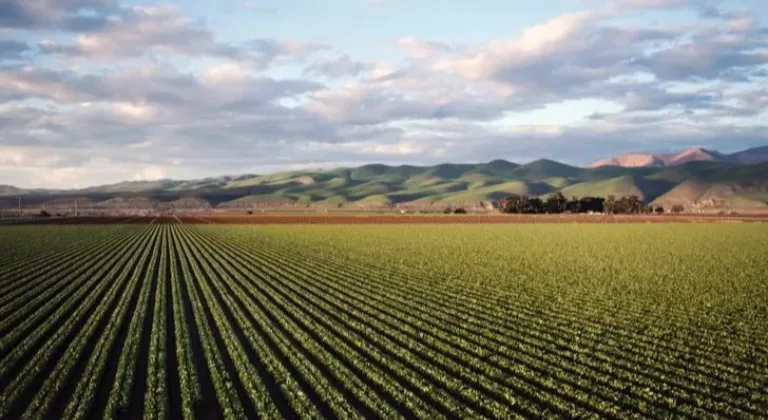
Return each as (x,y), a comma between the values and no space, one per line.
(557,203)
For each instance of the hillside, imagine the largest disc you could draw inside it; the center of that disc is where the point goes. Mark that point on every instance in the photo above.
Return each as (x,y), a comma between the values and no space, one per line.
(704,184)
(751,156)
(646,189)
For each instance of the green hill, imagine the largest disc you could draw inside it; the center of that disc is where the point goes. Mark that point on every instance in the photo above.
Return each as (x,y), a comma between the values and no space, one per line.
(545,168)
(374,201)
(499,191)
(626,185)
(716,194)
(691,184)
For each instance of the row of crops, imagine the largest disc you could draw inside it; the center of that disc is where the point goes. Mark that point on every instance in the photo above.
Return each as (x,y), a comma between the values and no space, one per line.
(177,321)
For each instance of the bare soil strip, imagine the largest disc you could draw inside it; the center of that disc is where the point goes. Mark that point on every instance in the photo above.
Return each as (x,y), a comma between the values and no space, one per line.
(282,218)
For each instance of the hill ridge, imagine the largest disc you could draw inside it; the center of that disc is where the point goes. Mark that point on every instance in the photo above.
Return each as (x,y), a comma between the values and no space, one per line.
(386,186)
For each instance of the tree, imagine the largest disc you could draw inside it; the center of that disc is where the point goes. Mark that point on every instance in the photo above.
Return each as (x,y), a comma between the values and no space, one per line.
(460,210)
(678,208)
(635,205)
(556,203)
(535,206)
(610,204)
(659,210)
(628,205)
(573,205)
(621,206)
(514,204)
(592,204)
(521,204)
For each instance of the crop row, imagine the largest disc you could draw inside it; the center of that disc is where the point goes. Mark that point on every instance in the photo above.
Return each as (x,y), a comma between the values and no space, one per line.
(50,363)
(168,320)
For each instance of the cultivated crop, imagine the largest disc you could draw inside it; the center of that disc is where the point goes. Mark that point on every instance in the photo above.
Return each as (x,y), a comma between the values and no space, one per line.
(169,320)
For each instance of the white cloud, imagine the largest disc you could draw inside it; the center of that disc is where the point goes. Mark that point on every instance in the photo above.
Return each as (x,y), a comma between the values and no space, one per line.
(225,72)
(151,173)
(119,91)
(13,156)
(141,112)
(337,67)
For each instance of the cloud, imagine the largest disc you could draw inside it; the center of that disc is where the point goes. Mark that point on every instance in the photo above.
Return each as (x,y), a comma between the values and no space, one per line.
(93,91)
(707,57)
(567,51)
(151,173)
(263,52)
(66,15)
(337,67)
(165,30)
(141,29)
(218,87)
(11,49)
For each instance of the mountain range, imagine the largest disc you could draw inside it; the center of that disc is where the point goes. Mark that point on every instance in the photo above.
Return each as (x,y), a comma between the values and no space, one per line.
(694,154)
(696,178)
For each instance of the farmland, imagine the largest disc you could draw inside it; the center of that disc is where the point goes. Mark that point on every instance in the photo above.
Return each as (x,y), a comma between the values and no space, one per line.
(214,320)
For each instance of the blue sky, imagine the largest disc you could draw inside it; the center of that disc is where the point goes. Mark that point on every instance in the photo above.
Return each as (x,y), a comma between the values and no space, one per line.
(96,91)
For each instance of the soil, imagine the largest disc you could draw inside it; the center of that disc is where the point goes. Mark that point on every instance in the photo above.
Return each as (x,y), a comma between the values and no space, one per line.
(447,219)
(282,218)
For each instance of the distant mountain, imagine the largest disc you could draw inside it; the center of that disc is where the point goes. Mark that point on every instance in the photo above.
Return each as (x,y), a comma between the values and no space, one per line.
(695,154)
(698,178)
(641,160)
(10,190)
(751,156)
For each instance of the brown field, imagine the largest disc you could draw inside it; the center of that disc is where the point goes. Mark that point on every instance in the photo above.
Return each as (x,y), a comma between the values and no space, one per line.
(82,220)
(496,218)
(282,218)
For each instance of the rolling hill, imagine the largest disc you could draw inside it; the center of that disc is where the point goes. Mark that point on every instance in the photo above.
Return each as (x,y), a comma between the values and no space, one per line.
(626,185)
(704,184)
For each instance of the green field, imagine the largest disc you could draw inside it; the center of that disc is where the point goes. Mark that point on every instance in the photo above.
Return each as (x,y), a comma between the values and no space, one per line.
(394,321)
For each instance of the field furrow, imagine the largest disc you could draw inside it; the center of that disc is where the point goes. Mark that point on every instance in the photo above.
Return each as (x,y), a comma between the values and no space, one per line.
(595,373)
(163,320)
(73,341)
(221,379)
(82,399)
(29,358)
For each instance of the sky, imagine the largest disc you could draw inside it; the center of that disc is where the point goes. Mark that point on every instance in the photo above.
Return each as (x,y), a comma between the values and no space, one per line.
(101,91)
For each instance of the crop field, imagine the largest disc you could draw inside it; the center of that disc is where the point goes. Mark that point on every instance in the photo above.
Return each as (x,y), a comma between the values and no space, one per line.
(418,321)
